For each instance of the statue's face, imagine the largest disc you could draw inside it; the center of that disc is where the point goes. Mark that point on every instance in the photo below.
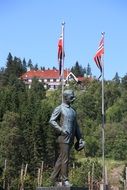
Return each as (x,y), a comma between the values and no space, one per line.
(69,97)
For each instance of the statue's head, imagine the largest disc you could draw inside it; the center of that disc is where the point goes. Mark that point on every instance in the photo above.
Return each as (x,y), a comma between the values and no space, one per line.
(68,96)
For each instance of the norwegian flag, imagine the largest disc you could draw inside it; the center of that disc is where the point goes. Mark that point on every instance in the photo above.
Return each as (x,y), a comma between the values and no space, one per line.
(99,53)
(60,53)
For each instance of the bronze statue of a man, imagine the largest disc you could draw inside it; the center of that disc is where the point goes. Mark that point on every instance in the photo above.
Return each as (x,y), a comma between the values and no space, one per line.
(63,119)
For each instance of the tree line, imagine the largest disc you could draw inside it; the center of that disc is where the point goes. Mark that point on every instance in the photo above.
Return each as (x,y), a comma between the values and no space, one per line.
(25,134)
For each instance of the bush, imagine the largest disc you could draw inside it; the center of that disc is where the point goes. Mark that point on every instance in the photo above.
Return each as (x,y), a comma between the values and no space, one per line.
(81,171)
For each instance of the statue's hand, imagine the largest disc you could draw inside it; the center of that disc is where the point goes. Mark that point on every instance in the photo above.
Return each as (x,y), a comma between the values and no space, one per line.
(64,132)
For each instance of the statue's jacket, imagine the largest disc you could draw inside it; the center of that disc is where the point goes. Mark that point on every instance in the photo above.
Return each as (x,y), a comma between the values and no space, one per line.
(63,118)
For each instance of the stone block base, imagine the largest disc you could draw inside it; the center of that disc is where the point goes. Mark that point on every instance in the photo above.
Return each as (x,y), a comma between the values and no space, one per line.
(61,188)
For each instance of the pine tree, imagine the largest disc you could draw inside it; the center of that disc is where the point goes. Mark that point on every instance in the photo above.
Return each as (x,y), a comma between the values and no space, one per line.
(24,65)
(116,78)
(88,70)
(30,65)
(36,67)
(77,70)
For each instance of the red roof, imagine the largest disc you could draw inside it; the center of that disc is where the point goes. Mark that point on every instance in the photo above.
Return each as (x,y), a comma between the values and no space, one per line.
(80,78)
(44,74)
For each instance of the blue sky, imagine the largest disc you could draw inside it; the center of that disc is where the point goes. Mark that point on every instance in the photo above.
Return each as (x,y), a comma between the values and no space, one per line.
(30,29)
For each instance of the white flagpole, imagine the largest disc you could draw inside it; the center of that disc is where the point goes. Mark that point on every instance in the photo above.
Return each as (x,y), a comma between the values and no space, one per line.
(63,26)
(103,123)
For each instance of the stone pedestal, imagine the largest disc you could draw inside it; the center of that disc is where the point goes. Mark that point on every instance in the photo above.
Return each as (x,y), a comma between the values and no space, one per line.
(61,188)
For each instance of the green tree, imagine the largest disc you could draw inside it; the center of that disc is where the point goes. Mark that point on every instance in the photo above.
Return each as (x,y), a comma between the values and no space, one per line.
(11,140)
(114,113)
(24,65)
(115,142)
(112,93)
(2,77)
(14,69)
(77,70)
(14,66)
(88,70)
(43,68)
(124,82)
(117,78)
(30,64)
(36,67)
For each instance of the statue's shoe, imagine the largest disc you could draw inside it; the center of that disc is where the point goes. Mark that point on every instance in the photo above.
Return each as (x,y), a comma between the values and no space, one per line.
(58,184)
(67,184)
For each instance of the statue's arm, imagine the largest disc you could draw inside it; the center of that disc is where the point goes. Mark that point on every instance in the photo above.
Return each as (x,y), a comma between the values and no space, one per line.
(54,118)
(77,131)
(80,141)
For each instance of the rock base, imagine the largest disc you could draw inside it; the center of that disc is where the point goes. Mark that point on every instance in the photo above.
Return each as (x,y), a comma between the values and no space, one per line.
(61,188)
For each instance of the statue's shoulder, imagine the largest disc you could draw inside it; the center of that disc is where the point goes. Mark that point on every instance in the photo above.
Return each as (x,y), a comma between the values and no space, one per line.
(73,108)
(57,108)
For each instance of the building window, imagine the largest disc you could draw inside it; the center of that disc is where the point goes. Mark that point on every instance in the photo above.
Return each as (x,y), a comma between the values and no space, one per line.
(30,80)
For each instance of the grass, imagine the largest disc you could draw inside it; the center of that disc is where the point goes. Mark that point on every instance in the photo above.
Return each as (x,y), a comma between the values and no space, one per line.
(114,168)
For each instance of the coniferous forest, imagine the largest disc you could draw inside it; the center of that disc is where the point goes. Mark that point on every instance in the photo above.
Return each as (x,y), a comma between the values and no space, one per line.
(27,139)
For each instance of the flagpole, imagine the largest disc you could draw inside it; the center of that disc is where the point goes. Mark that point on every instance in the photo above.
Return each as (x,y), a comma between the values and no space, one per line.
(63,26)
(103,123)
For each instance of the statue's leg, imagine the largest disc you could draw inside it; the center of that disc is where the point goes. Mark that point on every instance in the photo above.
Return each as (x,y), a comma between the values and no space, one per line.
(65,154)
(55,176)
